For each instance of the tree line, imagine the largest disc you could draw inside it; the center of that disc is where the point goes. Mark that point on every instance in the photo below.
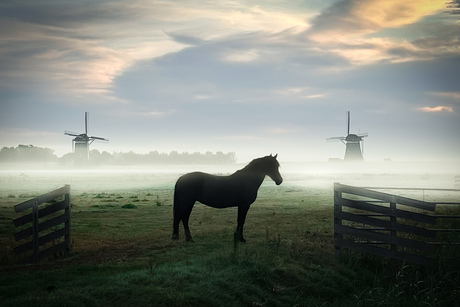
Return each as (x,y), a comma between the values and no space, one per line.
(30,153)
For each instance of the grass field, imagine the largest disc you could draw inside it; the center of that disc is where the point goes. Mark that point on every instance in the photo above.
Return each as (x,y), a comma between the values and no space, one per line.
(123,253)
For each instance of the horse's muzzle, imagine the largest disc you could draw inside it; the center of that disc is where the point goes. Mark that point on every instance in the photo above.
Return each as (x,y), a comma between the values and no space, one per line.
(279,181)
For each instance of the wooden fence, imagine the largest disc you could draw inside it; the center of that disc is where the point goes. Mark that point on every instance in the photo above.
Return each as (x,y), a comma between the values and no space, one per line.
(46,219)
(387,225)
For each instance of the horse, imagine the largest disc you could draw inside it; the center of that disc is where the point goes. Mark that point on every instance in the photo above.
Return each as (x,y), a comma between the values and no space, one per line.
(236,190)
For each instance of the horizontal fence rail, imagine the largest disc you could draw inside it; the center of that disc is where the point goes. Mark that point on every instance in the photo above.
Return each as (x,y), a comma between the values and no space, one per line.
(46,229)
(387,225)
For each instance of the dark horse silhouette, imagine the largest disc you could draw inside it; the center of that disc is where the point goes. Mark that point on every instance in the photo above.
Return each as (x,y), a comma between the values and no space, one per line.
(236,190)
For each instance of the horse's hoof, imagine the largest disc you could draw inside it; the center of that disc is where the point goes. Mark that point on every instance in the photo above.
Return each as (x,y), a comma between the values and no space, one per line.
(242,240)
(175,237)
(190,240)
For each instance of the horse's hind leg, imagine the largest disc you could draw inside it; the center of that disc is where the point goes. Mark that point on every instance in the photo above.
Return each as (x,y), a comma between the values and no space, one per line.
(177,219)
(185,218)
(242,211)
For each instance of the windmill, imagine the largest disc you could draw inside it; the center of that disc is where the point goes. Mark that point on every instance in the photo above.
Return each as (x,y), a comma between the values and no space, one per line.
(81,142)
(352,142)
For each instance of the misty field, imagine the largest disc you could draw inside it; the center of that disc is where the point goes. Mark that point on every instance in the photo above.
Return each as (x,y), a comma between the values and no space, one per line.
(123,253)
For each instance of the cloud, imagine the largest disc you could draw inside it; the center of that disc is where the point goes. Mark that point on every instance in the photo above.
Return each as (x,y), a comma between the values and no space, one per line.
(241,56)
(315,96)
(238,137)
(291,91)
(349,18)
(284,130)
(370,31)
(202,97)
(142,114)
(77,66)
(449,95)
(437,109)
(300,93)
(18,132)
(82,49)
(74,49)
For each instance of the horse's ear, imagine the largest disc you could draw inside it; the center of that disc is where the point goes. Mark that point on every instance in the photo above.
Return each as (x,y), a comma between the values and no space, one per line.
(271,155)
(275,156)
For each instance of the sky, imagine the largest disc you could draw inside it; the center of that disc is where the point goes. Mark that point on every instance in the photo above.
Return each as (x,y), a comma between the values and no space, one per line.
(251,77)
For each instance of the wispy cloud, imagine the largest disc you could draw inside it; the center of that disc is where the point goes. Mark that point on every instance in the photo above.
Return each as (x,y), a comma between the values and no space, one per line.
(238,137)
(450,95)
(437,109)
(291,91)
(300,93)
(202,97)
(315,96)
(284,130)
(16,132)
(241,56)
(144,113)
(347,19)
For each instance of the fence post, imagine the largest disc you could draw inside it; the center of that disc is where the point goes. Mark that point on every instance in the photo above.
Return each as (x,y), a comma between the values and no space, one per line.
(67,223)
(35,230)
(394,247)
(337,221)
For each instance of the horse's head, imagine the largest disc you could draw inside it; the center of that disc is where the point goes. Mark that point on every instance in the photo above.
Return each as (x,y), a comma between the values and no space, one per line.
(273,169)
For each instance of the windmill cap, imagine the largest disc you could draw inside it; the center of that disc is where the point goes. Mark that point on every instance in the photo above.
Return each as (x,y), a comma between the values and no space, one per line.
(353,138)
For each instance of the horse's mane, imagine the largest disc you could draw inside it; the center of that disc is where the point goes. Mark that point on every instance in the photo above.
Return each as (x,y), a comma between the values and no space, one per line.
(259,164)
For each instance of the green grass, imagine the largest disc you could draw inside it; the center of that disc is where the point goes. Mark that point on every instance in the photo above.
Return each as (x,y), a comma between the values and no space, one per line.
(125,257)
(248,276)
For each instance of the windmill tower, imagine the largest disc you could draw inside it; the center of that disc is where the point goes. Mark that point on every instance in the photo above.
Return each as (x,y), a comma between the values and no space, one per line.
(81,142)
(352,142)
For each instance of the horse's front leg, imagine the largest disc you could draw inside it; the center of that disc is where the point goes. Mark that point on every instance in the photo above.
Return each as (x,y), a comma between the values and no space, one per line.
(242,212)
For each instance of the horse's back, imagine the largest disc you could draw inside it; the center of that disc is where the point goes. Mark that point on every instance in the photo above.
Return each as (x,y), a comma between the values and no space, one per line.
(190,182)
(215,191)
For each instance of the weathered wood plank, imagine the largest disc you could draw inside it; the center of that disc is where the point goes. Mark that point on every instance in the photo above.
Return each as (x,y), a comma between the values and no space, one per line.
(41,213)
(386,252)
(387,224)
(52,236)
(52,209)
(386,238)
(365,206)
(54,194)
(52,250)
(53,222)
(23,220)
(24,205)
(41,241)
(23,248)
(42,199)
(385,196)
(23,234)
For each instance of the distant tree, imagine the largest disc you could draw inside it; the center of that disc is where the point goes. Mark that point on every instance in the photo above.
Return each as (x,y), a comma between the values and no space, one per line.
(27,153)
(68,158)
(30,153)
(7,154)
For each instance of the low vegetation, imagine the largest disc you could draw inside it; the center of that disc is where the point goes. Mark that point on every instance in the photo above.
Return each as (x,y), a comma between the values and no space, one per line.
(31,153)
(125,257)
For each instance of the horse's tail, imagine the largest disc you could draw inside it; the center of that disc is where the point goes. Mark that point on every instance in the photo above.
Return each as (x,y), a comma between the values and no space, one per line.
(176,198)
(176,217)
